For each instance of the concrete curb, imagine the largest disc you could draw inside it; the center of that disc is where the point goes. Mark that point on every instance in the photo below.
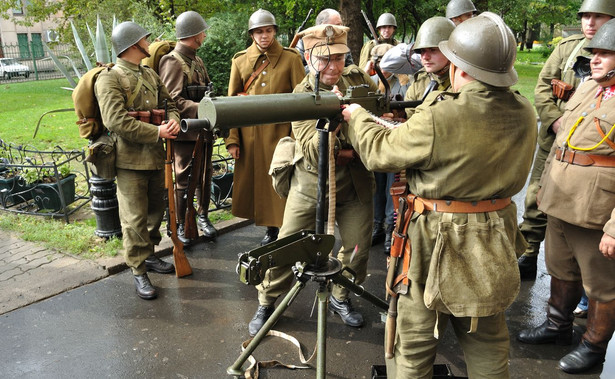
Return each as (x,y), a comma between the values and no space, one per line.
(117,264)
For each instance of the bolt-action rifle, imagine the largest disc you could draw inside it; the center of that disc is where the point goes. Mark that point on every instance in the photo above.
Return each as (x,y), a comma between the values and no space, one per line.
(371,28)
(182,266)
(299,29)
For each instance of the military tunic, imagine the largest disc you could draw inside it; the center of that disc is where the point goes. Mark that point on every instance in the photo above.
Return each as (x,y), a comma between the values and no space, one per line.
(354,191)
(175,78)
(253,194)
(366,50)
(443,149)
(550,108)
(417,89)
(579,200)
(139,155)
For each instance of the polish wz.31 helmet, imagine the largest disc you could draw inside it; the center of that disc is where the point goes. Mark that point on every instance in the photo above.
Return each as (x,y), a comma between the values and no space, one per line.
(456,8)
(485,48)
(433,31)
(261,18)
(597,6)
(386,19)
(189,24)
(127,34)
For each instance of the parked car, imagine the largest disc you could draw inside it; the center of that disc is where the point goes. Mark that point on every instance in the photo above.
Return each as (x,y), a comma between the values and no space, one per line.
(10,67)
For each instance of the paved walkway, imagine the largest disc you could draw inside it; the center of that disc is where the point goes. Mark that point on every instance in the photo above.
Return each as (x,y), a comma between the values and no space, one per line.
(30,272)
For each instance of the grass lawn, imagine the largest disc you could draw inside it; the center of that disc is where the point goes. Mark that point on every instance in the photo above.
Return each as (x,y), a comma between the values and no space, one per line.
(24,103)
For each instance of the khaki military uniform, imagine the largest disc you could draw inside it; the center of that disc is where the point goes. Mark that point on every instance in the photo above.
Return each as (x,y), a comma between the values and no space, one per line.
(579,199)
(354,185)
(175,78)
(550,108)
(416,91)
(139,155)
(443,149)
(366,50)
(253,194)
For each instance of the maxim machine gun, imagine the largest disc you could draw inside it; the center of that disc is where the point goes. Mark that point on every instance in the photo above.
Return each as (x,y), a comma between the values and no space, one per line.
(308,251)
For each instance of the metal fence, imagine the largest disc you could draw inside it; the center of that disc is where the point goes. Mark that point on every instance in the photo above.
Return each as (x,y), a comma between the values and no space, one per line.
(36,59)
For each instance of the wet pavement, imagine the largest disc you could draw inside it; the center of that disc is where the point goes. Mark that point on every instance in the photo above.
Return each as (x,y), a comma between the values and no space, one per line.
(195,328)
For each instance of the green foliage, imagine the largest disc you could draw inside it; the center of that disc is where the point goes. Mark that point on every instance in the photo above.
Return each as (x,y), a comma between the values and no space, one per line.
(227,35)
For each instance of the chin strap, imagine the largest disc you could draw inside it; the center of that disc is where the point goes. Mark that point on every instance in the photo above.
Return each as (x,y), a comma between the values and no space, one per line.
(608,76)
(147,54)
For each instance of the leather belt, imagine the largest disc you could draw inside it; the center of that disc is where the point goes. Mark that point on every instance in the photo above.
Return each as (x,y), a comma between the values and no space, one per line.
(583,159)
(454,206)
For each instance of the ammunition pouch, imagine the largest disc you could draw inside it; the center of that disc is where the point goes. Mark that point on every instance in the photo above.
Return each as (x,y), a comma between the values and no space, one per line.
(195,93)
(561,89)
(101,156)
(155,116)
(283,165)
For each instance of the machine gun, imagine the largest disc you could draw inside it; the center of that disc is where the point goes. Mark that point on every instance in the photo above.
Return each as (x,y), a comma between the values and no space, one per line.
(220,114)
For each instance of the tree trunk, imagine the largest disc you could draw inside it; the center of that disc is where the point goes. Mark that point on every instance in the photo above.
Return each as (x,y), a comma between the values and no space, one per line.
(351,16)
(523,36)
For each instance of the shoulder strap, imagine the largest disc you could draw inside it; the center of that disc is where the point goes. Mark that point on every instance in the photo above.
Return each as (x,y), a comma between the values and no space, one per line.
(573,55)
(123,79)
(189,71)
(255,74)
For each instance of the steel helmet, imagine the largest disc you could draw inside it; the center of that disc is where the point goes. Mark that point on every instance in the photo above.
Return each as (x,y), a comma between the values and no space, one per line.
(386,19)
(125,35)
(456,8)
(432,32)
(597,6)
(604,37)
(485,48)
(189,24)
(261,18)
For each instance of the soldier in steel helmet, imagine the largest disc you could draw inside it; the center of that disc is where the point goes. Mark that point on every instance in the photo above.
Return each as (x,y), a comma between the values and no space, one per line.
(386,27)
(460,10)
(186,78)
(550,105)
(576,193)
(139,149)
(458,263)
(264,68)
(326,48)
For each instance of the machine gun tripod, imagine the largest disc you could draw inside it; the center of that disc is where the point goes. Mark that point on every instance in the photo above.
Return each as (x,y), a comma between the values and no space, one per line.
(309,251)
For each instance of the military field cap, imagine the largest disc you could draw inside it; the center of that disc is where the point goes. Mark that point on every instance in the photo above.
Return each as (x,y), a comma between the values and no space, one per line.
(326,39)
(604,38)
(379,50)
(485,48)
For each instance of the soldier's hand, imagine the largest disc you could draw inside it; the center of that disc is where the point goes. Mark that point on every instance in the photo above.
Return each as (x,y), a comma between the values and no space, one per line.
(607,246)
(169,129)
(556,124)
(337,91)
(233,150)
(348,109)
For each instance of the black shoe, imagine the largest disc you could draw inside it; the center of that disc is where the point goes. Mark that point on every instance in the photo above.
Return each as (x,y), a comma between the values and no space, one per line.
(260,318)
(349,316)
(145,289)
(582,358)
(527,267)
(207,227)
(271,235)
(181,231)
(388,238)
(546,333)
(153,263)
(377,233)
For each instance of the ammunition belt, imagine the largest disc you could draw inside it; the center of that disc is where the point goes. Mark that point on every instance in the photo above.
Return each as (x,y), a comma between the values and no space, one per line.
(561,89)
(155,116)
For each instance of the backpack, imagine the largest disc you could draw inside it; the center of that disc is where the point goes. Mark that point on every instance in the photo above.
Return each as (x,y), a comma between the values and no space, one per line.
(86,106)
(159,49)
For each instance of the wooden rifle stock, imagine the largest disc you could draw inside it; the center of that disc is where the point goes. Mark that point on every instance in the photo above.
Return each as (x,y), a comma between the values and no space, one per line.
(182,266)
(194,178)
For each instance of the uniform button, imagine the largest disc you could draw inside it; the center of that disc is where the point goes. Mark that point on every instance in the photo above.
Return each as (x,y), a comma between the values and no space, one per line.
(603,116)
(264,72)
(263,84)
(309,167)
(593,106)
(146,101)
(584,114)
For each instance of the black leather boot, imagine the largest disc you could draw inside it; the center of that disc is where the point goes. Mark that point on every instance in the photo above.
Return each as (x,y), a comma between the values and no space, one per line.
(271,235)
(153,263)
(377,233)
(348,314)
(145,289)
(557,328)
(528,267)
(388,238)
(207,227)
(592,349)
(181,235)
(260,318)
